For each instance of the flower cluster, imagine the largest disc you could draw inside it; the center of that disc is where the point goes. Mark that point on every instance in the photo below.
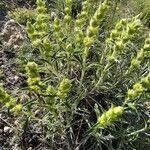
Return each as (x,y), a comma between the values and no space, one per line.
(9,101)
(41,24)
(58,32)
(64,88)
(38,32)
(138,88)
(57,28)
(33,75)
(146,81)
(110,116)
(81,21)
(67,17)
(35,83)
(92,29)
(141,54)
(124,30)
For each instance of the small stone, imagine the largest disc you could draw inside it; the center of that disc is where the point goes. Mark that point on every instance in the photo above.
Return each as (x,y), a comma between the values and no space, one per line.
(11,130)
(16,78)
(6,129)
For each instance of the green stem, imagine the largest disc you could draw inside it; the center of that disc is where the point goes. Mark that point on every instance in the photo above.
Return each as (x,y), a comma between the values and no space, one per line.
(139,131)
(106,68)
(68,62)
(85,54)
(103,73)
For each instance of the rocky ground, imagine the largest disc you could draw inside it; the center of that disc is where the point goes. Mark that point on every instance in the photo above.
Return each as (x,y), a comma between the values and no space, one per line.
(12,79)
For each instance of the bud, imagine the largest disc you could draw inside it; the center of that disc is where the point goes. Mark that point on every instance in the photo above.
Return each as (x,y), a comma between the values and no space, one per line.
(33,73)
(79,22)
(118,111)
(40,2)
(33,81)
(69,48)
(131,94)
(36,43)
(4,97)
(32,66)
(79,36)
(88,41)
(44,26)
(91,31)
(119,44)
(119,26)
(83,14)
(67,10)
(67,19)
(57,28)
(64,88)
(146,47)
(51,90)
(135,91)
(135,62)
(94,22)
(85,3)
(30,28)
(140,55)
(56,22)
(138,88)
(46,44)
(11,104)
(17,108)
(41,10)
(68,2)
(146,81)
(147,41)
(111,59)
(114,34)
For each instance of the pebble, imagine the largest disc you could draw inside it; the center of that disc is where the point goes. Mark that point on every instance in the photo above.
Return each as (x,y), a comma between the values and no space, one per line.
(6,129)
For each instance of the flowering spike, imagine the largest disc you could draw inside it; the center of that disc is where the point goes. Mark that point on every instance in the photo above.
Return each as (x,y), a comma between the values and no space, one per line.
(110,116)
(33,74)
(138,88)
(9,101)
(64,88)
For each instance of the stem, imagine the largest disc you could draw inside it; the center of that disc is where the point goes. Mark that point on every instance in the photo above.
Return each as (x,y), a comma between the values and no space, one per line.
(68,62)
(102,75)
(85,54)
(138,131)
(103,56)
(106,68)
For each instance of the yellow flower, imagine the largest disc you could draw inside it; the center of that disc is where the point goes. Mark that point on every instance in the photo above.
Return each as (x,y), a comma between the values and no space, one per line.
(110,116)
(64,88)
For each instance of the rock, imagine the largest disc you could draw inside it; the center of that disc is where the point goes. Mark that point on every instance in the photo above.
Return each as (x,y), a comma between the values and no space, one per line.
(13,34)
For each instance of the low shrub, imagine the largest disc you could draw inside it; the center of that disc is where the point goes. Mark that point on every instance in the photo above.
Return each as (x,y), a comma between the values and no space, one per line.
(91,90)
(21,15)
